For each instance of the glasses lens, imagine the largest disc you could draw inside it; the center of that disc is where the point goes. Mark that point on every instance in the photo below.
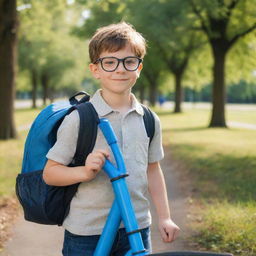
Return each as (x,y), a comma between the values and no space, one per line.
(109,64)
(131,63)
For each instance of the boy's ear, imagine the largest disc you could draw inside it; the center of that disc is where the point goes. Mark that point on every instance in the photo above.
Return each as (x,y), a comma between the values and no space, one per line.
(139,70)
(140,67)
(94,70)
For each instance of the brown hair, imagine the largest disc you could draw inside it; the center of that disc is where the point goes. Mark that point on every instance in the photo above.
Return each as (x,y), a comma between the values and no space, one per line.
(115,37)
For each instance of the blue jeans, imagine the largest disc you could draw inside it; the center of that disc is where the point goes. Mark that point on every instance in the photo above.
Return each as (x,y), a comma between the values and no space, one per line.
(75,245)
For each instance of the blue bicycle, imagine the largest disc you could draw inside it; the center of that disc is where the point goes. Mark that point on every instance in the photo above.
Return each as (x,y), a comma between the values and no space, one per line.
(122,209)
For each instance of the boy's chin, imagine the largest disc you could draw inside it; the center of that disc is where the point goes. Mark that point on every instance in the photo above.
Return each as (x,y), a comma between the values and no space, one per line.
(118,90)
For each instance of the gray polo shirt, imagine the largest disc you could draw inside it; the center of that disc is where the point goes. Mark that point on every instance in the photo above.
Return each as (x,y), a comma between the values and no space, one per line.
(93,200)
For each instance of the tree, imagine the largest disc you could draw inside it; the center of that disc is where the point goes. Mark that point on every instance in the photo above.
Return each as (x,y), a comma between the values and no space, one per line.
(224,23)
(8,42)
(34,40)
(177,62)
(153,68)
(167,28)
(101,13)
(53,57)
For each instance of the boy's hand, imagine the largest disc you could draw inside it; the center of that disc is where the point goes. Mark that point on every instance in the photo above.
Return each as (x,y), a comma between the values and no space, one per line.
(94,163)
(168,229)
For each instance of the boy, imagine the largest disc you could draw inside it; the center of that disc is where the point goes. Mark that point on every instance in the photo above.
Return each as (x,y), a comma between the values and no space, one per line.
(116,53)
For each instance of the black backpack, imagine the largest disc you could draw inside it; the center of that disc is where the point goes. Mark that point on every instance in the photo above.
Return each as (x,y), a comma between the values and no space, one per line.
(42,203)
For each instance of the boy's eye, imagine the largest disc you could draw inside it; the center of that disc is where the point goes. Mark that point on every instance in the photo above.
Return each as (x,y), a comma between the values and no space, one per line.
(131,61)
(109,62)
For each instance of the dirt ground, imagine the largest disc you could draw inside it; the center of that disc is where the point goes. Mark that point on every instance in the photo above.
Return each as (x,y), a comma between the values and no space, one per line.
(26,239)
(9,211)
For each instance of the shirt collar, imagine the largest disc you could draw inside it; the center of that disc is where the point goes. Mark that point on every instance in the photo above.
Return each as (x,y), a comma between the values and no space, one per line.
(100,104)
(104,109)
(136,105)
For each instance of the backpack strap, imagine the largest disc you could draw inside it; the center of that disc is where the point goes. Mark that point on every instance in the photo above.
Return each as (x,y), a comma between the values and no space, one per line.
(87,132)
(149,122)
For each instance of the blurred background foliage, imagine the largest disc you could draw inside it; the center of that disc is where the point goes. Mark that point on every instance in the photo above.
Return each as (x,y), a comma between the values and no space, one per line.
(198,50)
(53,46)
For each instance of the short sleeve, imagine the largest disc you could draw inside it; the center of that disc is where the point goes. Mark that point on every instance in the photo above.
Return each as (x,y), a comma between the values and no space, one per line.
(156,152)
(64,149)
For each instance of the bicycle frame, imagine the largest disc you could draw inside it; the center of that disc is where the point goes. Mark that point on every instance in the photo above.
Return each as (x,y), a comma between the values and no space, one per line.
(122,209)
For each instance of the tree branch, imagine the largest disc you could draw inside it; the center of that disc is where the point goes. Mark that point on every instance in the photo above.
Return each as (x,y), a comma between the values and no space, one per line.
(195,28)
(236,37)
(232,5)
(162,51)
(198,14)
(230,8)
(229,12)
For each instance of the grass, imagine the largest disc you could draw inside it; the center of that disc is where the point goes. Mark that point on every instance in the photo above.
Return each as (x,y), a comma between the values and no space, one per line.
(10,164)
(229,227)
(222,163)
(11,153)
(25,116)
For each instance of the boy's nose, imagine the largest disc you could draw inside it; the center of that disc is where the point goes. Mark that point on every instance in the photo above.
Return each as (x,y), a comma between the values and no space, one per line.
(120,67)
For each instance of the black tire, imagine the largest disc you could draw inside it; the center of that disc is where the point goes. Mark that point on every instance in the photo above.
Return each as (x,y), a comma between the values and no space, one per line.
(186,253)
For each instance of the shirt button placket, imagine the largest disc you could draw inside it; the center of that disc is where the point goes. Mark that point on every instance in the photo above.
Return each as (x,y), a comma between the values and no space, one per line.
(124,133)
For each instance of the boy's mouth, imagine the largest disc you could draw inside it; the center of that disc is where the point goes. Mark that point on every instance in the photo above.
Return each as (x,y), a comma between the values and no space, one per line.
(121,79)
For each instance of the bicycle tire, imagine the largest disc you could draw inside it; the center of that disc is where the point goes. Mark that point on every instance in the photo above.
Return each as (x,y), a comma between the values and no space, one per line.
(190,253)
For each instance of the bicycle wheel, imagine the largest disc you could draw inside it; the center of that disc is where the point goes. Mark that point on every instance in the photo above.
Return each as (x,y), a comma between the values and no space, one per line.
(187,253)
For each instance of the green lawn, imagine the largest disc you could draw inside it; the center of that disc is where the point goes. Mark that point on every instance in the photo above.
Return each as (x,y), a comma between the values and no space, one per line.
(222,163)
(11,153)
(25,116)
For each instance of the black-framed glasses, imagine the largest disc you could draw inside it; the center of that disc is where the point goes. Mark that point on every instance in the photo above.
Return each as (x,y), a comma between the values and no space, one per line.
(110,64)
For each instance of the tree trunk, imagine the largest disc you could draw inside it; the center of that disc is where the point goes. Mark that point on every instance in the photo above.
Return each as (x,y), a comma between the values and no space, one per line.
(45,84)
(178,92)
(8,44)
(142,93)
(218,90)
(51,94)
(152,94)
(34,87)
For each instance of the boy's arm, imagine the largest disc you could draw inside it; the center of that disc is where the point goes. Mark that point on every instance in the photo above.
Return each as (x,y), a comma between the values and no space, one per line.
(157,189)
(56,174)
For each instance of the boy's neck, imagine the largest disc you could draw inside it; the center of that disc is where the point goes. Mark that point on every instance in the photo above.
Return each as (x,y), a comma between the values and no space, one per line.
(117,101)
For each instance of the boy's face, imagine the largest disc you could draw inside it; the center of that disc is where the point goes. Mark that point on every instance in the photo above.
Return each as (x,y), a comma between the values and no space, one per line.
(119,81)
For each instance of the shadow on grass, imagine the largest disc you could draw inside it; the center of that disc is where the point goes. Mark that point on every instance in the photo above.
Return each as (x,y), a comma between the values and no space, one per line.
(219,176)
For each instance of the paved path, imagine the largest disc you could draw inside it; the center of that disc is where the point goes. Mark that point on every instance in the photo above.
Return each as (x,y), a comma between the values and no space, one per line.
(31,239)
(19,104)
(242,125)
(178,191)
